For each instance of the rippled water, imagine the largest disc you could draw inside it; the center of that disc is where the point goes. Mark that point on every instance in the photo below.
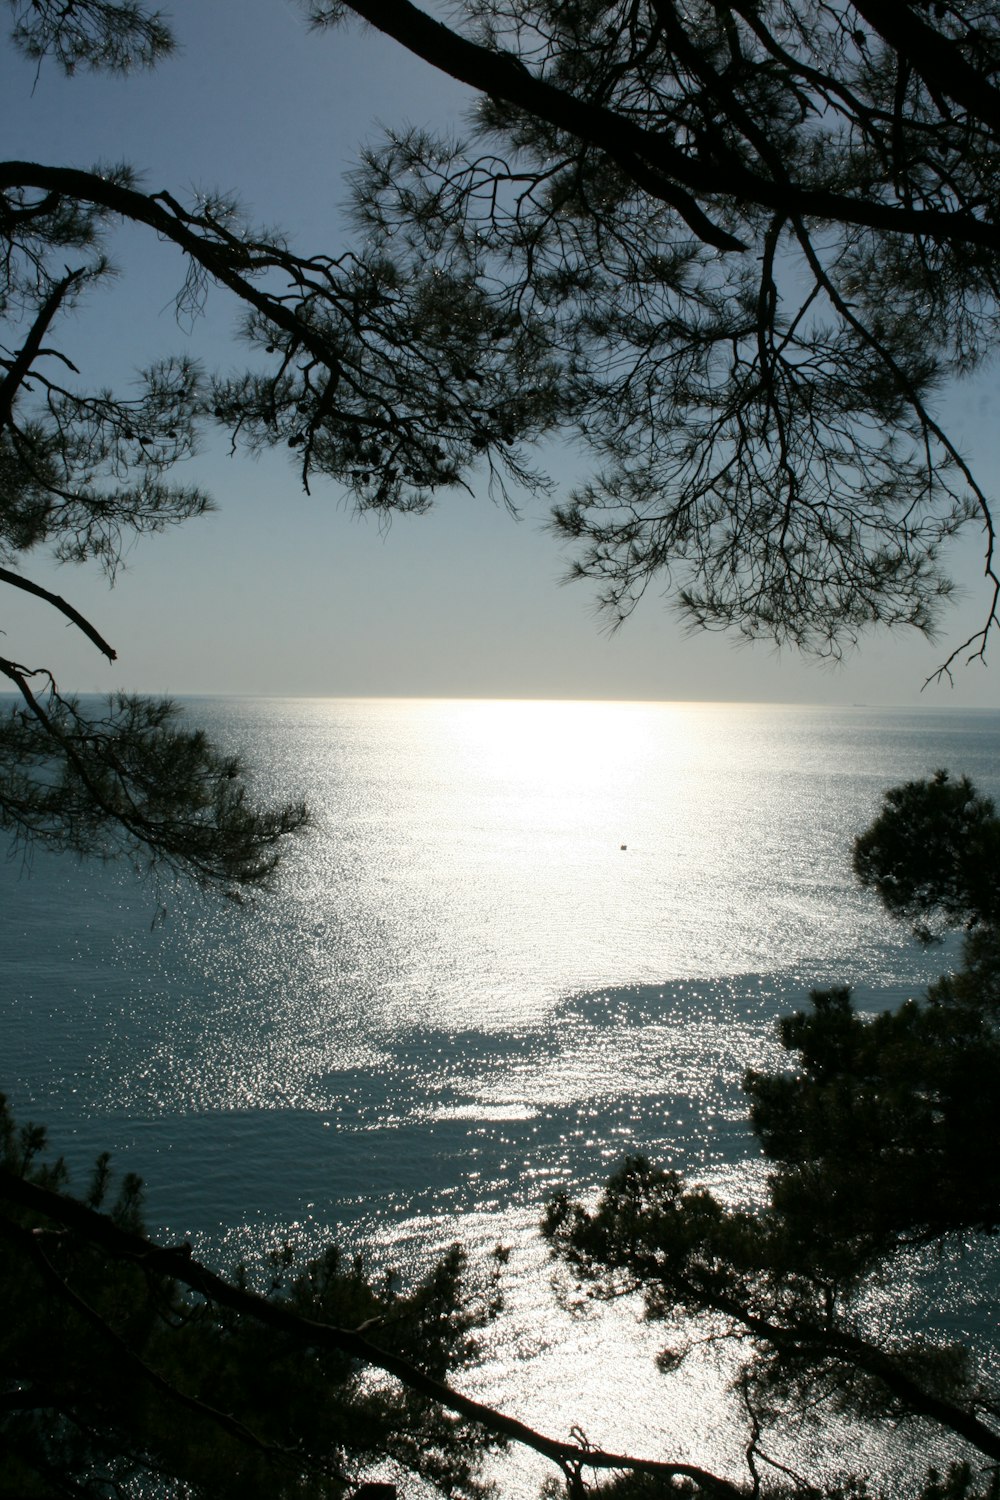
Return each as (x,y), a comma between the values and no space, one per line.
(521,940)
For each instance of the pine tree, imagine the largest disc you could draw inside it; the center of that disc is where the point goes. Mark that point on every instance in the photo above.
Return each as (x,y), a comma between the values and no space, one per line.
(390,385)
(881,1139)
(118,1377)
(756,239)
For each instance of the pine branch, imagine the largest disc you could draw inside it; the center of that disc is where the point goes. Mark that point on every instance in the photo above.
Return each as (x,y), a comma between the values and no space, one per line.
(22,362)
(58,602)
(681,178)
(177,1263)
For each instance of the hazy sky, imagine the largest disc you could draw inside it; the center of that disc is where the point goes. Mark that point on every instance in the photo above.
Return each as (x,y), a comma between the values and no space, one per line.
(281,593)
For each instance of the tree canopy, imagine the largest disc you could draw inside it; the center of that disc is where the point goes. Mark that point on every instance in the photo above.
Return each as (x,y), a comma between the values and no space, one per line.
(374,380)
(935,849)
(757,239)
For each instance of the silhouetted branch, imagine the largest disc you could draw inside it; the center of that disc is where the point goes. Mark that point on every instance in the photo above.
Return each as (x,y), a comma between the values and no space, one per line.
(58,602)
(678,175)
(177,1263)
(19,366)
(934,57)
(31,1242)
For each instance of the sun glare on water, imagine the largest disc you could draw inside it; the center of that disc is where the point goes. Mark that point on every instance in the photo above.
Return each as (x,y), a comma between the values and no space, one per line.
(521,940)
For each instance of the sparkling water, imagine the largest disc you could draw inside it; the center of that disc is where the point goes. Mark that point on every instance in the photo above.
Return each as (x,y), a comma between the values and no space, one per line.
(519,941)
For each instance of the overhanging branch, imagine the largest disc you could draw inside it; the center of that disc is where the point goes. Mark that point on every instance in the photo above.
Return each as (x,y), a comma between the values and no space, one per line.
(58,602)
(680,175)
(935,57)
(177,1263)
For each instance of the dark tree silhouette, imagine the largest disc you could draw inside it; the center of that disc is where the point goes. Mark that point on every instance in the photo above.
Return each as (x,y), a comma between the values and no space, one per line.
(881,1140)
(391,385)
(757,239)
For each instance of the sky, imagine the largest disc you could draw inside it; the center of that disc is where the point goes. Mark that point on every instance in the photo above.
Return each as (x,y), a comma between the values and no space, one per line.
(279,593)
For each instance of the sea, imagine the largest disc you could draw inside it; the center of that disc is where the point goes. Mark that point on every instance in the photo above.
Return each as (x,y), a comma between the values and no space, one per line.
(519,941)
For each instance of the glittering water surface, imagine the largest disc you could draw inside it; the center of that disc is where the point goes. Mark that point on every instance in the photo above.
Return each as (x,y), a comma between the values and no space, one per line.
(521,940)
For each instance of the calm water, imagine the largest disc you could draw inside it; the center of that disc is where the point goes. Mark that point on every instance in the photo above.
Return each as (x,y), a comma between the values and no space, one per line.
(467,992)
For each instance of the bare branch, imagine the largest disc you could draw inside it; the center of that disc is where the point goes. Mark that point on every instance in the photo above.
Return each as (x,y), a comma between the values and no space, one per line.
(18,582)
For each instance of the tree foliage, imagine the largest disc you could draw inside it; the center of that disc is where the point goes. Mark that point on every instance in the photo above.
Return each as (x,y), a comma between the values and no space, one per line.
(117,1379)
(881,1146)
(757,239)
(935,849)
(135,780)
(392,385)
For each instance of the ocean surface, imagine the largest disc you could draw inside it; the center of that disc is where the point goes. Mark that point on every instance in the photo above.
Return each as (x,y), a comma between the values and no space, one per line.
(519,941)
